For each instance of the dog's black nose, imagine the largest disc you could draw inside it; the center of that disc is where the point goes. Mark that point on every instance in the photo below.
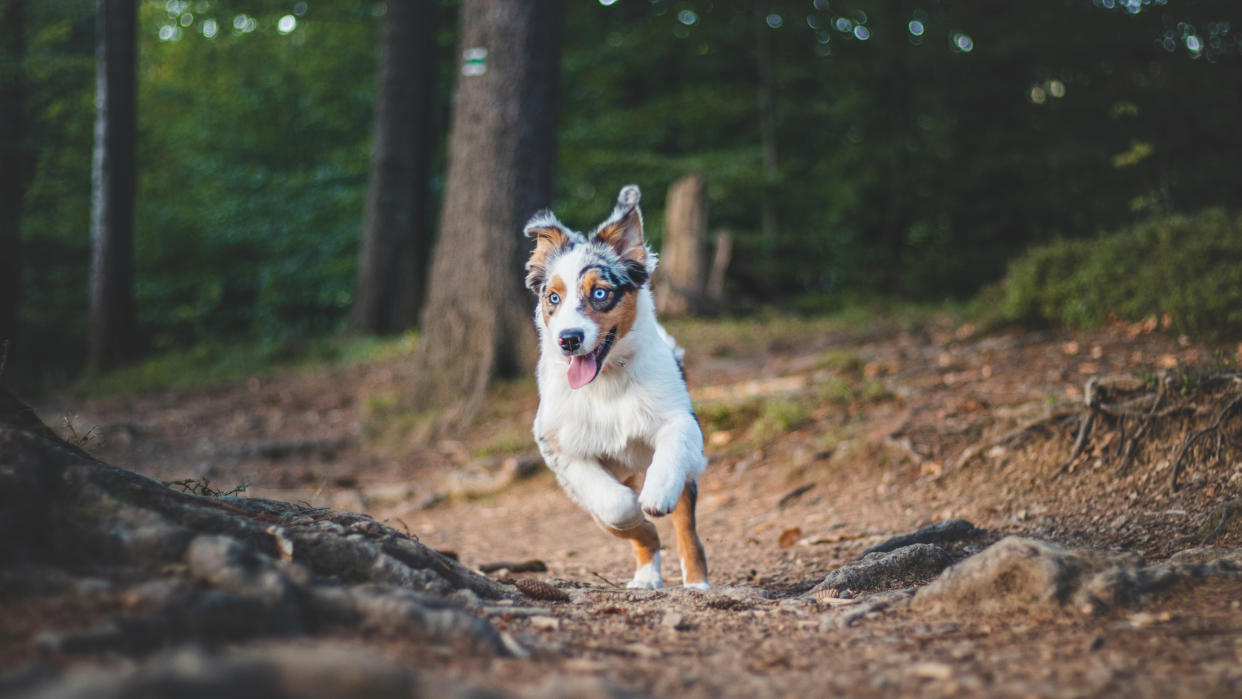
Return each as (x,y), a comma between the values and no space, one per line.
(571,340)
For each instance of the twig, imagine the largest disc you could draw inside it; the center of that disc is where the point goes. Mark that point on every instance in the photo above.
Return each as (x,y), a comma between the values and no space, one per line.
(606,579)
(1211,429)
(788,497)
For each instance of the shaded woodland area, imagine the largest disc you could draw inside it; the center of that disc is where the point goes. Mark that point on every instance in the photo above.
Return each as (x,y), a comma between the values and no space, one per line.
(959,284)
(294,167)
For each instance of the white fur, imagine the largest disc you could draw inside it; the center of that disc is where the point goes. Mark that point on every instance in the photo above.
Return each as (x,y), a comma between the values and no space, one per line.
(633,423)
(647,577)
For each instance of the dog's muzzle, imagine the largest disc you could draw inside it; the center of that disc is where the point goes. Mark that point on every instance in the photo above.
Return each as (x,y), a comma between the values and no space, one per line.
(570,340)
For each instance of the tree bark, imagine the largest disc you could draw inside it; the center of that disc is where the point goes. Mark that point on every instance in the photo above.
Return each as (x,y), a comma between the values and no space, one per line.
(682,276)
(15,173)
(396,235)
(112,324)
(477,325)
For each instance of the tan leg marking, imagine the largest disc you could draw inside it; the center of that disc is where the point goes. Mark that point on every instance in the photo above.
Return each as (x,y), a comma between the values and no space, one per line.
(644,537)
(689,548)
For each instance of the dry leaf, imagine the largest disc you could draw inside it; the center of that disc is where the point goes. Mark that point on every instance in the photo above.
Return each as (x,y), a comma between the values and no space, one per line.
(789,537)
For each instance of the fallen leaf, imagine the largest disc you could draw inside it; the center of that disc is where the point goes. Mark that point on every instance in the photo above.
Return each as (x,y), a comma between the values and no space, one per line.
(789,537)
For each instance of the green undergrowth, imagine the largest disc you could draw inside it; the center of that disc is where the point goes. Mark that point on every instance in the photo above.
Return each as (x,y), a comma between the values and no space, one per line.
(1184,269)
(215,363)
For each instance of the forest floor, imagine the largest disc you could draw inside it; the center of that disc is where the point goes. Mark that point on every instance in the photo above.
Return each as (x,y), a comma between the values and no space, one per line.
(824,439)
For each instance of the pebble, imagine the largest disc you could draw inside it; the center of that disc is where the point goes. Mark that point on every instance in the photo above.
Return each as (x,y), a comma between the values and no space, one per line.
(932,670)
(545,623)
(672,620)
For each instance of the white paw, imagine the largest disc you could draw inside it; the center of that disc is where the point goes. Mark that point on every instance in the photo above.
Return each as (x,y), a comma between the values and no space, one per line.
(697,586)
(658,499)
(647,577)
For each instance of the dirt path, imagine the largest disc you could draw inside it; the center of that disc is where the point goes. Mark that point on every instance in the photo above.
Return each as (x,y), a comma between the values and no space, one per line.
(823,442)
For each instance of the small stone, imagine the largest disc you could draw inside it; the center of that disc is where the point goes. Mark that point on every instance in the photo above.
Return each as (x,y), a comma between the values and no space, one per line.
(932,670)
(545,623)
(672,620)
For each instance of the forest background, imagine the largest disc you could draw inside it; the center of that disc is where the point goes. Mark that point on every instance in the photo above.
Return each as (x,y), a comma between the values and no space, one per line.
(905,149)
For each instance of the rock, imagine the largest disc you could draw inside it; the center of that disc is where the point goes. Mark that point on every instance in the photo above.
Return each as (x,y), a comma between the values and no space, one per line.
(1015,573)
(672,620)
(947,531)
(902,567)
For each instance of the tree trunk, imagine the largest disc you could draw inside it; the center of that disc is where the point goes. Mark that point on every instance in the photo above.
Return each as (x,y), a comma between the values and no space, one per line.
(14,174)
(722,255)
(112,323)
(396,235)
(476,325)
(682,276)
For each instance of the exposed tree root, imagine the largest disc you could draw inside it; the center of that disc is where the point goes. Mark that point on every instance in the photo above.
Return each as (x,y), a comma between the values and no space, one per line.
(208,569)
(1222,436)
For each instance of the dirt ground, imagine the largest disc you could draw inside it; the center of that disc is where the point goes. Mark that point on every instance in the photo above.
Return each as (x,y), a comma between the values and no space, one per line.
(823,440)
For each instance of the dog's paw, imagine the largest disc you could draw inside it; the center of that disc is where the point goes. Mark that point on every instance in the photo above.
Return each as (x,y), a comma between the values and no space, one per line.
(647,577)
(700,586)
(658,501)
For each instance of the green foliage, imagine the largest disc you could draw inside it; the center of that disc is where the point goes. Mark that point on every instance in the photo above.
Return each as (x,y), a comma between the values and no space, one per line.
(1185,267)
(908,167)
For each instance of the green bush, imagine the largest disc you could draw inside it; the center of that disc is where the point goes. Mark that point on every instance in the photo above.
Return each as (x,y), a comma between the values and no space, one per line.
(1186,267)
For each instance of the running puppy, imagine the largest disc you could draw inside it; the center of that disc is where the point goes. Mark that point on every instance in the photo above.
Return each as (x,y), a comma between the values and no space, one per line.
(614,423)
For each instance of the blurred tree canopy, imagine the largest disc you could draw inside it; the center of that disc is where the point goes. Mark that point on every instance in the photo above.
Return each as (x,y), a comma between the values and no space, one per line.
(921,144)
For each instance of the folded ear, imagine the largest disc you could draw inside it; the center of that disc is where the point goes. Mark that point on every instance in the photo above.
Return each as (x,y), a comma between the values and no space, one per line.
(550,238)
(623,232)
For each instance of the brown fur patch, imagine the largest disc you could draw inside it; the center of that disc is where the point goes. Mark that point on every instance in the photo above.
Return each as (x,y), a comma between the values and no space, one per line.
(644,537)
(626,236)
(689,547)
(621,316)
(555,285)
(549,240)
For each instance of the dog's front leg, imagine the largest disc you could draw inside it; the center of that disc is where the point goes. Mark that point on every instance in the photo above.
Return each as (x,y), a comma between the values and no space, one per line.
(615,507)
(678,457)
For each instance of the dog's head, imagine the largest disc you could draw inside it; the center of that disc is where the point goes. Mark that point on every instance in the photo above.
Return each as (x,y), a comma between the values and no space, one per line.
(588,285)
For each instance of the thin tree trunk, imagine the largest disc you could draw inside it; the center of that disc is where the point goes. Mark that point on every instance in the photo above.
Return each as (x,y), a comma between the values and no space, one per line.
(682,276)
(476,324)
(14,173)
(112,322)
(396,234)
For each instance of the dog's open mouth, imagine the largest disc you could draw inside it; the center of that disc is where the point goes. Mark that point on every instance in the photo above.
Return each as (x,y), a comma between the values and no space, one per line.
(584,368)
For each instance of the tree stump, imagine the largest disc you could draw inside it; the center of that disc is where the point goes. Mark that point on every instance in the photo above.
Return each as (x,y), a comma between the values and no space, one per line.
(682,276)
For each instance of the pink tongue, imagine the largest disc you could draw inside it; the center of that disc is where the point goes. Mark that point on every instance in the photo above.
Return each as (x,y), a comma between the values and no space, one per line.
(581,370)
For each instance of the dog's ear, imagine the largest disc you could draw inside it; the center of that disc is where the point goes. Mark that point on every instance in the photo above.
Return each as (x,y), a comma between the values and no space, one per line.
(623,232)
(550,237)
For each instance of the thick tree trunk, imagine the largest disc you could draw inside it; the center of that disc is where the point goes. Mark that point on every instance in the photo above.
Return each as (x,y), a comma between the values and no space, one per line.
(396,235)
(477,322)
(14,173)
(112,324)
(681,279)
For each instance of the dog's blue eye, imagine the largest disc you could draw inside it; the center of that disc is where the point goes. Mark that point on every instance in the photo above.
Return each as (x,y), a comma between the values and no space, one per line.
(554,298)
(599,294)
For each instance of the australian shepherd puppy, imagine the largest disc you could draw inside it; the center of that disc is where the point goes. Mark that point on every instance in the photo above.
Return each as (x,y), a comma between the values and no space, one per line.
(615,422)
